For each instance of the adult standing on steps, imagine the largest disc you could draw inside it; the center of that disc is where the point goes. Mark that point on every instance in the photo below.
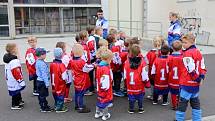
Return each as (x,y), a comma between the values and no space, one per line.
(174,31)
(102,22)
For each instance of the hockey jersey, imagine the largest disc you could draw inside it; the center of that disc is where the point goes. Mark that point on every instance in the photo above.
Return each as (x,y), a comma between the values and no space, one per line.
(65,60)
(104,78)
(135,78)
(175,69)
(80,71)
(59,77)
(31,58)
(116,62)
(86,54)
(91,43)
(191,78)
(160,72)
(13,74)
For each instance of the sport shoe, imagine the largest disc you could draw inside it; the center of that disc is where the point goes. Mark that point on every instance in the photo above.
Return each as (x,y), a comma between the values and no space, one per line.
(130,111)
(19,107)
(35,93)
(63,110)
(150,97)
(118,94)
(141,110)
(98,114)
(88,93)
(84,110)
(46,110)
(154,103)
(21,103)
(165,103)
(110,105)
(106,117)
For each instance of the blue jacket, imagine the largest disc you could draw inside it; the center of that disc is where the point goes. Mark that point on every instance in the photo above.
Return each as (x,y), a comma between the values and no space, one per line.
(104,24)
(42,71)
(174,32)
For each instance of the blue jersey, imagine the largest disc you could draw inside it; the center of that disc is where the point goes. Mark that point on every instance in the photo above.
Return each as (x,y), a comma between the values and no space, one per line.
(104,24)
(174,32)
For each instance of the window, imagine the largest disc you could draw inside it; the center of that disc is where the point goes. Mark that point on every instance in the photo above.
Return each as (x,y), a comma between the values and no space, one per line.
(52,20)
(52,1)
(21,1)
(3,1)
(81,18)
(68,20)
(4,27)
(94,1)
(37,20)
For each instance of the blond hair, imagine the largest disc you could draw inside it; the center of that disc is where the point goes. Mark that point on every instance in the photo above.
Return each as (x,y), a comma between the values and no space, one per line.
(189,37)
(97,29)
(77,50)
(100,50)
(103,42)
(106,54)
(158,41)
(83,34)
(177,45)
(32,39)
(11,48)
(61,45)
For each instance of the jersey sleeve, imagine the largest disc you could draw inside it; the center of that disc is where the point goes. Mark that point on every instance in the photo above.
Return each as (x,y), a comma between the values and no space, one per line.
(144,74)
(153,69)
(87,68)
(16,70)
(65,60)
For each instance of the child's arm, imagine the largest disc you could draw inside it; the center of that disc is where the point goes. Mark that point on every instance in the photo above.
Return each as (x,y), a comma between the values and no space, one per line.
(153,71)
(44,73)
(17,72)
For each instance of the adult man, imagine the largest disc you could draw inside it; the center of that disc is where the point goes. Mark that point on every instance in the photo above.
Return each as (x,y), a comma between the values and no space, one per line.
(102,22)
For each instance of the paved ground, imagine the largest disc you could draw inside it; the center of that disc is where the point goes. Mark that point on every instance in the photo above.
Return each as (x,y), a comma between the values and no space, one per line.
(119,111)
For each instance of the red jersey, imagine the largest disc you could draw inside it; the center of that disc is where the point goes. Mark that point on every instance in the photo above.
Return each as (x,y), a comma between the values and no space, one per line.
(160,72)
(187,79)
(59,77)
(175,69)
(86,55)
(104,78)
(135,78)
(31,58)
(91,44)
(116,61)
(80,71)
(150,58)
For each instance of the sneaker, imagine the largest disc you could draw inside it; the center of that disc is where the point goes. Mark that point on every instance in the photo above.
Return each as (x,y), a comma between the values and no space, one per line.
(19,107)
(150,97)
(84,110)
(98,114)
(118,94)
(110,105)
(35,93)
(130,111)
(165,103)
(88,93)
(77,108)
(141,110)
(106,117)
(21,103)
(46,110)
(154,103)
(63,110)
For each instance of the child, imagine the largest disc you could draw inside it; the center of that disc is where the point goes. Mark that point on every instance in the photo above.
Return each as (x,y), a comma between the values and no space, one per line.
(116,65)
(98,35)
(193,73)
(104,78)
(150,58)
(80,70)
(91,43)
(65,60)
(86,56)
(136,76)
(31,58)
(59,79)
(175,62)
(14,77)
(43,76)
(159,74)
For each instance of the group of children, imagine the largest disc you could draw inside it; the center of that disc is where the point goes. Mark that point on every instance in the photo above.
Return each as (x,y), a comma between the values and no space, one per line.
(105,64)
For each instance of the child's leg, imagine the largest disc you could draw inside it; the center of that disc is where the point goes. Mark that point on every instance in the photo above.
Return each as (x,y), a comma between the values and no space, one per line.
(174,100)
(43,93)
(15,100)
(105,111)
(196,110)
(139,98)
(182,106)
(155,97)
(117,80)
(165,98)
(92,88)
(79,101)
(60,102)
(35,85)
(132,100)
(67,91)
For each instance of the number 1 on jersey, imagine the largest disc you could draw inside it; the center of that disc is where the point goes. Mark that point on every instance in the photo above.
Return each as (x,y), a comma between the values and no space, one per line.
(132,78)
(175,70)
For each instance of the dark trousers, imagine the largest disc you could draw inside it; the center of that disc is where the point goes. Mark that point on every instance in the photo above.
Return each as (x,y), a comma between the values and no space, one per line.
(79,98)
(134,98)
(155,97)
(92,88)
(35,84)
(59,101)
(117,76)
(43,93)
(16,99)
